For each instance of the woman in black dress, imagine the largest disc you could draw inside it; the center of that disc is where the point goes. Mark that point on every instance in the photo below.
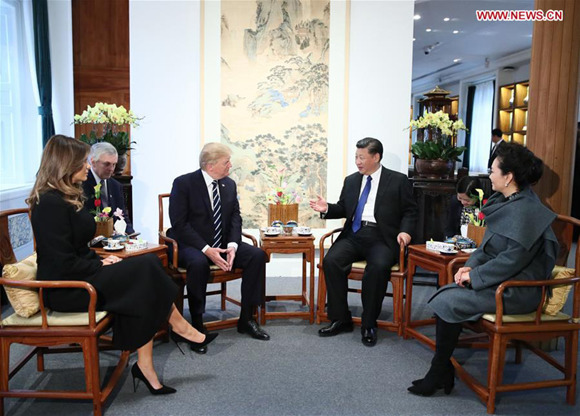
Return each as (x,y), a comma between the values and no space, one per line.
(137,290)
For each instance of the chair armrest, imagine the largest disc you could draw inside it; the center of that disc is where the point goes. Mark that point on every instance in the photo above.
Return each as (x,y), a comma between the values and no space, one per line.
(453,266)
(536,283)
(250,237)
(56,284)
(402,257)
(323,239)
(170,242)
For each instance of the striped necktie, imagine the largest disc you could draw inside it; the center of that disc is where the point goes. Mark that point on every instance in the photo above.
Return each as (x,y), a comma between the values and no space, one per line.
(217,215)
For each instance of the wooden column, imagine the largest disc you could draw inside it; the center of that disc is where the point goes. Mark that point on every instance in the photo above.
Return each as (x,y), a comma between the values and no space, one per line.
(553,108)
(100,55)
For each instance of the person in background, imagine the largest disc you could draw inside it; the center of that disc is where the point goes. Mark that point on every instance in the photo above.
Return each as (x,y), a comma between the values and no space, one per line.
(206,222)
(103,159)
(496,141)
(136,290)
(381,214)
(462,204)
(518,244)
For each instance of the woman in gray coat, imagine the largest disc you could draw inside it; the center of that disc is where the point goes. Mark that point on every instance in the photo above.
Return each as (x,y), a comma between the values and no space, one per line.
(519,244)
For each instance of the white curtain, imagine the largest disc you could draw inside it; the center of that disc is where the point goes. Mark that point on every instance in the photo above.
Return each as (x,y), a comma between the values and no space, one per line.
(482,116)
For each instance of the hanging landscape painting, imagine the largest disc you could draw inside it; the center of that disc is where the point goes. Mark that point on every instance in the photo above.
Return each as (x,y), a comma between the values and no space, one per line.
(274,101)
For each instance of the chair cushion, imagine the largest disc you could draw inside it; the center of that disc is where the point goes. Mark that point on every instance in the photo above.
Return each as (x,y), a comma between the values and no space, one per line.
(556,302)
(54,319)
(363,264)
(24,301)
(527,317)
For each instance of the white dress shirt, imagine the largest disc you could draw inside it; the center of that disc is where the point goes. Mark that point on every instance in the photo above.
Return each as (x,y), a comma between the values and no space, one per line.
(209,186)
(369,209)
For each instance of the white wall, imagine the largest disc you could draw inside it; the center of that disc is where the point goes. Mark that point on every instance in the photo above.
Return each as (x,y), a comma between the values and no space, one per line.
(381,40)
(165,80)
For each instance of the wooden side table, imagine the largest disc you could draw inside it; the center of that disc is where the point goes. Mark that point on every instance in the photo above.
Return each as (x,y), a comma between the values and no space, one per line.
(429,260)
(291,244)
(160,250)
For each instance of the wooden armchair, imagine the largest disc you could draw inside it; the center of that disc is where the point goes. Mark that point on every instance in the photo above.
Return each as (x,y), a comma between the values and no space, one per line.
(47,330)
(524,330)
(179,274)
(398,275)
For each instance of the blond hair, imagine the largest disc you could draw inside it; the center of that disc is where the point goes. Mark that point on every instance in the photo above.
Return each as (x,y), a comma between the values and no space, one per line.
(62,157)
(212,152)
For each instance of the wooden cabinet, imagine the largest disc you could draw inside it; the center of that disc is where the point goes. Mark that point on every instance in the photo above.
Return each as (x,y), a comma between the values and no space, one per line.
(513,111)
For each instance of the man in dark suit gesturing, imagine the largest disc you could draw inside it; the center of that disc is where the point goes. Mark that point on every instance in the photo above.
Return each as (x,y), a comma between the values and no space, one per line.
(206,222)
(380,214)
(103,159)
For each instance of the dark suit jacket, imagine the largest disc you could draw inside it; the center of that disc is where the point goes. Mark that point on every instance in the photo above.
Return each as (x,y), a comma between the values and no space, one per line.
(191,213)
(116,200)
(395,206)
(493,154)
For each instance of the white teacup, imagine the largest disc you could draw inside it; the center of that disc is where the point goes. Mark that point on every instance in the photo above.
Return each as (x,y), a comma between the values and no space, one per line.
(112,243)
(303,230)
(273,230)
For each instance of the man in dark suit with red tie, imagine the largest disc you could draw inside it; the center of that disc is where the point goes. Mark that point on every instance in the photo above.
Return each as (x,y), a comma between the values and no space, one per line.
(206,223)
(103,159)
(380,214)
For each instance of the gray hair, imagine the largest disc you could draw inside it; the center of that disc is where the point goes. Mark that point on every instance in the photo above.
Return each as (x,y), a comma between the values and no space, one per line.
(100,149)
(211,152)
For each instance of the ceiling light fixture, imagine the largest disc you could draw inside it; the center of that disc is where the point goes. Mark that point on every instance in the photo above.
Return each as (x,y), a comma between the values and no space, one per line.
(457,60)
(417,17)
(455,32)
(446,19)
(427,30)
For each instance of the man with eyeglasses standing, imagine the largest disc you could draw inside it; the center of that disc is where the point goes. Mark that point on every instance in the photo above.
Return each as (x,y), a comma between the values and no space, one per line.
(103,159)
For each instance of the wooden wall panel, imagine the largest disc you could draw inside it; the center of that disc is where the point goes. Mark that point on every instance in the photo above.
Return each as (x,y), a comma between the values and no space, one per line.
(553,109)
(100,55)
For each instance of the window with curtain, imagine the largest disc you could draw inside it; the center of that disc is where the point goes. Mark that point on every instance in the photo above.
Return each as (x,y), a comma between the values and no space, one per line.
(481,126)
(20,141)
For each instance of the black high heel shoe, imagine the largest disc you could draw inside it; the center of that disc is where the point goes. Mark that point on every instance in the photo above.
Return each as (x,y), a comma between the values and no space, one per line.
(434,380)
(192,344)
(138,374)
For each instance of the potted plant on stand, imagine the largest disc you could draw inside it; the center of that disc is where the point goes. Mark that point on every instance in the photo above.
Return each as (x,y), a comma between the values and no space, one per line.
(109,124)
(435,157)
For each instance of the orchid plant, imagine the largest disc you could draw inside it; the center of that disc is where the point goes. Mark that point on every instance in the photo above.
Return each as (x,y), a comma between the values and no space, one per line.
(111,118)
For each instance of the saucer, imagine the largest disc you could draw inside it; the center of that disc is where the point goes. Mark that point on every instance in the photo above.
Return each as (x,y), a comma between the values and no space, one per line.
(448,252)
(114,248)
(304,234)
(272,235)
(468,250)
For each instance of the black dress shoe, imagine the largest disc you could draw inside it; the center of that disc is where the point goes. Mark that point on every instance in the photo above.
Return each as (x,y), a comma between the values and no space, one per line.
(335,328)
(369,336)
(251,327)
(198,347)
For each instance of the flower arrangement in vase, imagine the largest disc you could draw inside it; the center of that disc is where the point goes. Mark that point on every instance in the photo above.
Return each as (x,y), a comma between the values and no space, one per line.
(282,201)
(476,227)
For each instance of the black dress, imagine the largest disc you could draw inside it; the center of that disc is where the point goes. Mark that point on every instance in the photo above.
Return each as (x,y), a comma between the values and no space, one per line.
(137,290)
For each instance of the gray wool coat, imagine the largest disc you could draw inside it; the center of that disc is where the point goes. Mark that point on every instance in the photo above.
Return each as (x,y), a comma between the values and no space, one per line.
(519,244)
